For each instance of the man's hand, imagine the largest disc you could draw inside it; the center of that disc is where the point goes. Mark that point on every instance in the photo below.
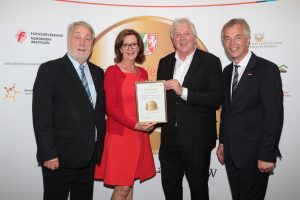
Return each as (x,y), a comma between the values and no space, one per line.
(52,164)
(265,167)
(220,153)
(174,85)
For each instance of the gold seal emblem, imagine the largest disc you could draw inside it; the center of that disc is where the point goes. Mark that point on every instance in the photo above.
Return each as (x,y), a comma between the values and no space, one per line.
(151,105)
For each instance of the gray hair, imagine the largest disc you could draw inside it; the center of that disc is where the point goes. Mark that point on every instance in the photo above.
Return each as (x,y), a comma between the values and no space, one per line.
(81,23)
(236,21)
(179,21)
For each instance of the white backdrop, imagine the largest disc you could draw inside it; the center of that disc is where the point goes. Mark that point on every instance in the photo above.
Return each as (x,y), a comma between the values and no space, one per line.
(275,33)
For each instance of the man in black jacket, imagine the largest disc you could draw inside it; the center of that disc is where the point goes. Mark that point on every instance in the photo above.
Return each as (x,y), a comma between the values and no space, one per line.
(193,80)
(69,118)
(252,115)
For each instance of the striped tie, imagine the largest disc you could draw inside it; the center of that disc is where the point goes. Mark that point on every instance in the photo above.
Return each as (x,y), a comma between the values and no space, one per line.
(85,83)
(235,79)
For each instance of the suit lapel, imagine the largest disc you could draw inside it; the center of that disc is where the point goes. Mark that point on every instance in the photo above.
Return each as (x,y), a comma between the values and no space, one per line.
(94,77)
(227,82)
(68,66)
(96,82)
(247,75)
(171,67)
(195,64)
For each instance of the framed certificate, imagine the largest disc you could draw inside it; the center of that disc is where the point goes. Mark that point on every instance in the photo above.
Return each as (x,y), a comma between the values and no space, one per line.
(151,101)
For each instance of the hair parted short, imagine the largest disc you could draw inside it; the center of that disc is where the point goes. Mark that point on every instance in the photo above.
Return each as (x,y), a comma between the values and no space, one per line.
(80,23)
(236,21)
(179,21)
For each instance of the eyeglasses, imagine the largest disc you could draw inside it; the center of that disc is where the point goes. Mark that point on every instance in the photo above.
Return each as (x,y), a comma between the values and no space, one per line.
(128,46)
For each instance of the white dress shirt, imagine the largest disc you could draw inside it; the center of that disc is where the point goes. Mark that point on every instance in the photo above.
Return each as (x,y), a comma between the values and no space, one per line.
(180,70)
(242,66)
(87,75)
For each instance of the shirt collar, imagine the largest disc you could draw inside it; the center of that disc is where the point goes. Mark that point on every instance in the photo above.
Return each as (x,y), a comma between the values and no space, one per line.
(189,57)
(245,60)
(75,63)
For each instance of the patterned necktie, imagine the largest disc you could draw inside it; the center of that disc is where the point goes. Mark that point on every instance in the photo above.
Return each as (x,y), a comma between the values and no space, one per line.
(85,83)
(235,79)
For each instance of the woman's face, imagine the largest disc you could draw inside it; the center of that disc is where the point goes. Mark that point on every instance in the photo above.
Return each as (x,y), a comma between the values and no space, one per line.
(130,48)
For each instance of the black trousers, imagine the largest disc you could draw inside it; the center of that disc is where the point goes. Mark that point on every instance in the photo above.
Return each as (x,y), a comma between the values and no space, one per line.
(78,183)
(246,183)
(194,164)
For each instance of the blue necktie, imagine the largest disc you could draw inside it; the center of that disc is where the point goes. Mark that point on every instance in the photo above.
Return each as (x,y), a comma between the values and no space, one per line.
(85,83)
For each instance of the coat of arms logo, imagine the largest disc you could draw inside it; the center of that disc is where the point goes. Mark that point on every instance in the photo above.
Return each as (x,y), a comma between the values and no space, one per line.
(150,42)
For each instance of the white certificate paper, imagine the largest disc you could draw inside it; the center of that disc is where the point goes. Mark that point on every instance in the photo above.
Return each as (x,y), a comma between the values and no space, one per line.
(151,101)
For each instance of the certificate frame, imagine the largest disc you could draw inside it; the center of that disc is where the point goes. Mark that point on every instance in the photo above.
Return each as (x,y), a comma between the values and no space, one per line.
(151,101)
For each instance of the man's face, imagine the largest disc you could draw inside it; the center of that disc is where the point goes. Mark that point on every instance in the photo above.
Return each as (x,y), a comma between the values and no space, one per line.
(236,43)
(80,43)
(184,40)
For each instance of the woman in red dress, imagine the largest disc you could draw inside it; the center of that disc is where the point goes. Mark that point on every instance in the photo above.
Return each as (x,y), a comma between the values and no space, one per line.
(127,154)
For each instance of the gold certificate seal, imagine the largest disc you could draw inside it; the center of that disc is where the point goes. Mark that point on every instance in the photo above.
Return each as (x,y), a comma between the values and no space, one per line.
(151,105)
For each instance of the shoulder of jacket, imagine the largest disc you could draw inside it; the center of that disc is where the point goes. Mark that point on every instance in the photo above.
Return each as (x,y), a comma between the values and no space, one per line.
(206,54)
(169,56)
(265,62)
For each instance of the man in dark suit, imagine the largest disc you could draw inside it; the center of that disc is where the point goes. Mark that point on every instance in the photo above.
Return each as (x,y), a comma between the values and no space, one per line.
(193,80)
(252,115)
(69,118)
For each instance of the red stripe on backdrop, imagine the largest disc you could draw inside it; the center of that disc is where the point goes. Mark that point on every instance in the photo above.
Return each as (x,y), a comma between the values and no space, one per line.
(161,6)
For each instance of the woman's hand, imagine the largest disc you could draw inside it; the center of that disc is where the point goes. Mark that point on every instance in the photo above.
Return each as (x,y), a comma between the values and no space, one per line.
(145,126)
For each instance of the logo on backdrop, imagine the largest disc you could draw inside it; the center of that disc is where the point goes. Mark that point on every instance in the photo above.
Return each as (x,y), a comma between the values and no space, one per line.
(28,91)
(283,68)
(21,36)
(150,42)
(37,37)
(212,171)
(286,94)
(259,37)
(260,41)
(11,92)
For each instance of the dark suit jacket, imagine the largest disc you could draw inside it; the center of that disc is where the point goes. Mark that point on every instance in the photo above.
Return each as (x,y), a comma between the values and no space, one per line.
(64,119)
(251,123)
(195,118)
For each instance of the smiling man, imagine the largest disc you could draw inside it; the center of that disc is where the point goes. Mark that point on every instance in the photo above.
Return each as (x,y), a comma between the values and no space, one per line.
(252,115)
(69,118)
(193,80)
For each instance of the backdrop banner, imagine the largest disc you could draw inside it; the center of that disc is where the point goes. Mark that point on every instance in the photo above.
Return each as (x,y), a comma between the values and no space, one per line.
(35,31)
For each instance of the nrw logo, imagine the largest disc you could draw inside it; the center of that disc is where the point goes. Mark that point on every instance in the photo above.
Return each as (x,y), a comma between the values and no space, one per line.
(150,42)
(21,36)
(11,92)
(283,68)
